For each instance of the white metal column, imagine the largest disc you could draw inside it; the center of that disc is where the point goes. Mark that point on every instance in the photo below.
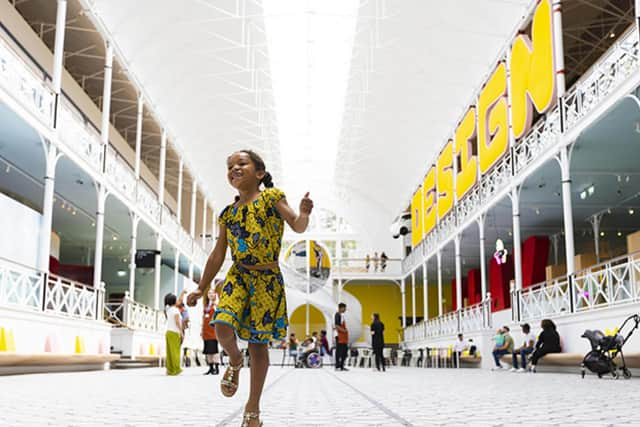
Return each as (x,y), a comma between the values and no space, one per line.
(439,267)
(413,296)
(567,209)
(58,53)
(156,273)
(101,192)
(404,303)
(51,159)
(162,167)
(139,135)
(135,219)
(106,94)
(204,223)
(176,271)
(179,195)
(194,193)
(517,247)
(458,255)
(425,292)
(483,259)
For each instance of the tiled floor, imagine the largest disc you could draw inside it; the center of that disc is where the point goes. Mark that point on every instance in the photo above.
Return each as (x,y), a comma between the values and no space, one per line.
(402,396)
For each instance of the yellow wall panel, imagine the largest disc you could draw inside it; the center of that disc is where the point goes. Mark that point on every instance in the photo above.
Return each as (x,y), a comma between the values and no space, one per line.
(464,140)
(493,124)
(444,179)
(429,196)
(416,217)
(532,74)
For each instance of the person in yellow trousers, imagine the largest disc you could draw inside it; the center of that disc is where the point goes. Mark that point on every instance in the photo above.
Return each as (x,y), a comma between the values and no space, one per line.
(174,334)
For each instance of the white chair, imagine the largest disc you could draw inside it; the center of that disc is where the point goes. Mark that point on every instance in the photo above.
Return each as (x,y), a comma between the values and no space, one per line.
(363,357)
(386,356)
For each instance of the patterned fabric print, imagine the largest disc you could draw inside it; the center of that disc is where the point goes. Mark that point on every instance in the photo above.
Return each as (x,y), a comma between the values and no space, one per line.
(254,231)
(253,303)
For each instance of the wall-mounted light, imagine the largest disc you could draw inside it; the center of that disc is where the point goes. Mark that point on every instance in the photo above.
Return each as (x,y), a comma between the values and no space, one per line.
(583,195)
(631,211)
(537,211)
(602,234)
(122,273)
(115,237)
(591,190)
(619,234)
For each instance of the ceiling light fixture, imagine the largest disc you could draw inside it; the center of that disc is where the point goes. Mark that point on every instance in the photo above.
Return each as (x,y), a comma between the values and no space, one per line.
(583,195)
(591,190)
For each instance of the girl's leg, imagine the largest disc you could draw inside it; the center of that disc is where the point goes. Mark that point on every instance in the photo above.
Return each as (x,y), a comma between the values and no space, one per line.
(259,366)
(227,339)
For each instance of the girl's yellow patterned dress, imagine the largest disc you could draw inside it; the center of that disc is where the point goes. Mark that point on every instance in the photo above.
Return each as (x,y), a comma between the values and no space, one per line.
(253,302)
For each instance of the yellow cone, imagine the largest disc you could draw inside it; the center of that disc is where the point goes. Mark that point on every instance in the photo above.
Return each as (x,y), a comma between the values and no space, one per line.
(79,345)
(11,342)
(3,340)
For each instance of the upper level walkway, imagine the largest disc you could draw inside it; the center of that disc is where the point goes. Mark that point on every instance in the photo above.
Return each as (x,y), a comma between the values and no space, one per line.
(301,397)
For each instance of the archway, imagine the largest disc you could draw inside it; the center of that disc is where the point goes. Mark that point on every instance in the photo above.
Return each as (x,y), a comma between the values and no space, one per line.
(298,321)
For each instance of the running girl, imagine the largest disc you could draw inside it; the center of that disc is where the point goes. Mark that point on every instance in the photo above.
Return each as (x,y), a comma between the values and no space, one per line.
(252,302)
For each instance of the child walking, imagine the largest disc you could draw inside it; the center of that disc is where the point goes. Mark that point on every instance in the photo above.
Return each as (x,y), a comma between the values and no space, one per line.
(252,302)
(208,330)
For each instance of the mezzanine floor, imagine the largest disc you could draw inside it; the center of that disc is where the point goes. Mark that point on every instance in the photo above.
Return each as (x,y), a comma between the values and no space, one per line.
(402,396)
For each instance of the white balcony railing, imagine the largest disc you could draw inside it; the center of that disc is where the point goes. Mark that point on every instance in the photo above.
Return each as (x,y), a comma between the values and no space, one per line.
(20,286)
(131,314)
(610,283)
(473,318)
(72,299)
(24,85)
(120,174)
(607,284)
(24,288)
(546,299)
(356,267)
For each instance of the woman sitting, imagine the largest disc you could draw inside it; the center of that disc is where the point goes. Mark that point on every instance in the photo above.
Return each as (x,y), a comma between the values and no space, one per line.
(548,342)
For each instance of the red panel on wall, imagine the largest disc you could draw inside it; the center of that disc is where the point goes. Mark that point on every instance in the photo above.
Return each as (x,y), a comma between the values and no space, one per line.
(499,278)
(78,273)
(535,253)
(474,287)
(465,292)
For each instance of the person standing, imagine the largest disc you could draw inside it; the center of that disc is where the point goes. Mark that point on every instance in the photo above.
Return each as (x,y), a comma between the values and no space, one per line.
(342,337)
(377,341)
(209,331)
(383,262)
(174,334)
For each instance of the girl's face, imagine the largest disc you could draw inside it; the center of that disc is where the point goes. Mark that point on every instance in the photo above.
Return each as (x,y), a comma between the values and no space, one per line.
(211,294)
(241,171)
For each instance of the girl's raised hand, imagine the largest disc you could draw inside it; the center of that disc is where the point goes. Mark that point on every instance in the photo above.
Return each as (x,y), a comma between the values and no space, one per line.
(306,205)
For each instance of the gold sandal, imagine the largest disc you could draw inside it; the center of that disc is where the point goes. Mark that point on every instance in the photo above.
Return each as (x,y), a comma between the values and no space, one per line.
(250,416)
(227,386)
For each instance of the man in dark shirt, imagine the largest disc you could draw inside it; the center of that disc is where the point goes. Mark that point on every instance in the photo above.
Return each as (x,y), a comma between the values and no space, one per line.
(342,336)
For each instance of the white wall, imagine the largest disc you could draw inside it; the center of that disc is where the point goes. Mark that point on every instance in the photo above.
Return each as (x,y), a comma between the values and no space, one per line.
(19,232)
(36,332)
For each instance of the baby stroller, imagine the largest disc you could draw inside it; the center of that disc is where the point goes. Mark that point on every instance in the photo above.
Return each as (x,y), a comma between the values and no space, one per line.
(605,348)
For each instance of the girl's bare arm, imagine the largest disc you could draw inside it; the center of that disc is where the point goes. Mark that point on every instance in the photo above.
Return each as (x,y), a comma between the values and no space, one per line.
(297,222)
(214,262)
